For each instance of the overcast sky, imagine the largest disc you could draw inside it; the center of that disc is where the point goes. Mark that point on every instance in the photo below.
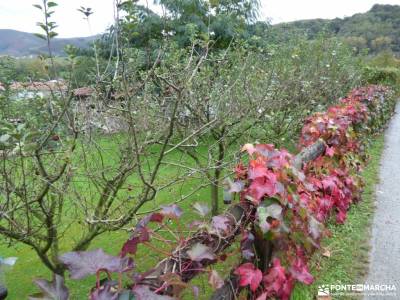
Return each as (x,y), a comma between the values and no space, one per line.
(21,15)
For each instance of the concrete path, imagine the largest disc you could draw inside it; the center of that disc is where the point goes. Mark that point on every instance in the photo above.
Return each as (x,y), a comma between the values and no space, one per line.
(385,253)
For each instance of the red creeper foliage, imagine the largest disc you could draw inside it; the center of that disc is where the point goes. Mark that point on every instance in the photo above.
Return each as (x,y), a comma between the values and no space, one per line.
(283,211)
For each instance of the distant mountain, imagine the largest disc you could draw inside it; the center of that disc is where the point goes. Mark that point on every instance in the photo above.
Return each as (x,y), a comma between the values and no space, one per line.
(378,29)
(17,43)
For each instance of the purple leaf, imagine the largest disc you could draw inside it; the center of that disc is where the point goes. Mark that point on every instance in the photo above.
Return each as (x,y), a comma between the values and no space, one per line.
(220,223)
(315,228)
(130,246)
(247,245)
(154,217)
(199,252)
(172,211)
(83,263)
(51,290)
(140,235)
(201,208)
(237,186)
(144,293)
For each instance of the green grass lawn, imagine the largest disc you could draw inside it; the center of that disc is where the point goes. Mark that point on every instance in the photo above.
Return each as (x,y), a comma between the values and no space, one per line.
(349,244)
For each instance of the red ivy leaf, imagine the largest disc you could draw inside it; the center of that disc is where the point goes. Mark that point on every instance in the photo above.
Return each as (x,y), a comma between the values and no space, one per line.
(330,151)
(263,186)
(277,282)
(156,217)
(249,275)
(140,235)
(299,270)
(240,171)
(258,168)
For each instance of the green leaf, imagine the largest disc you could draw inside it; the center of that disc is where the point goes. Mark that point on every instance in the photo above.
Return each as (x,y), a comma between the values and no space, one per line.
(37,6)
(53,34)
(51,4)
(41,36)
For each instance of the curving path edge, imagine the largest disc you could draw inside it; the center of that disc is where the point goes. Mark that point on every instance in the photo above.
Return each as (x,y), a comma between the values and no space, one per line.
(385,242)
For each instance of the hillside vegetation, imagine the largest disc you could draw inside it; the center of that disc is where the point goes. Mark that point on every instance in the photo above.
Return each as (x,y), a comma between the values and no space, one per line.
(377,30)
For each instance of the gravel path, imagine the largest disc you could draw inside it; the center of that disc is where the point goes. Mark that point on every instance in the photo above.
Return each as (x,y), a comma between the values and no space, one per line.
(385,253)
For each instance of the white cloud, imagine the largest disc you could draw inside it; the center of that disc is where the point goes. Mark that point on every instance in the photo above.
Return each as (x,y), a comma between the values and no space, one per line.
(21,15)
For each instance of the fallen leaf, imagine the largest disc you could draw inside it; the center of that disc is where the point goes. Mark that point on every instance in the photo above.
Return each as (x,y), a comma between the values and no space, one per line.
(326,253)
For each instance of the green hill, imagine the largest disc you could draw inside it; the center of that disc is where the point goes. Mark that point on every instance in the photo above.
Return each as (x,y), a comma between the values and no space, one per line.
(378,29)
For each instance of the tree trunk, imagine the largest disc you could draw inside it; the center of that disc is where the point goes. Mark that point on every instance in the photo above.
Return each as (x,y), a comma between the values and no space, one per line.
(214,197)
(216,180)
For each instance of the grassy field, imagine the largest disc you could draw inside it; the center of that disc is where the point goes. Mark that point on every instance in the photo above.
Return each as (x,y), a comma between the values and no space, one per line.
(346,252)
(347,246)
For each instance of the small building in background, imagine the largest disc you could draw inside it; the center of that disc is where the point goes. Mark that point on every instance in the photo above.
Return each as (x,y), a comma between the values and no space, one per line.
(30,90)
